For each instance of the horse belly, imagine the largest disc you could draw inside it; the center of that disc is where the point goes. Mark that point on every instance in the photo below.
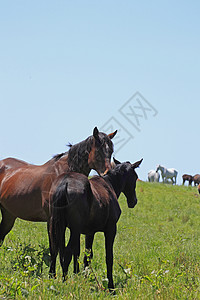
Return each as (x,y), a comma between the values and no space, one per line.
(26,207)
(170,175)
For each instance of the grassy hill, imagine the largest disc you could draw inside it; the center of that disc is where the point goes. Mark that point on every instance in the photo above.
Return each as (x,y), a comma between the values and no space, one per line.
(156,253)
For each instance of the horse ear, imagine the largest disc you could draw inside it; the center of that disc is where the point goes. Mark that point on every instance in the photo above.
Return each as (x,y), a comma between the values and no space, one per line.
(116,161)
(96,132)
(111,135)
(137,164)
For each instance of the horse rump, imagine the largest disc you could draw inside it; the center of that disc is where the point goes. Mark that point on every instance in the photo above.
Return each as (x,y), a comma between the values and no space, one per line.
(69,205)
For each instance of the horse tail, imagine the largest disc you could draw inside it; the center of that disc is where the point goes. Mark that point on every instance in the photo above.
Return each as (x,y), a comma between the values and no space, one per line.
(58,218)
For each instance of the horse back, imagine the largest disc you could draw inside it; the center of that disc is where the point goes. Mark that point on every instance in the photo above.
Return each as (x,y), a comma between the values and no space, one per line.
(70,200)
(21,192)
(22,180)
(101,190)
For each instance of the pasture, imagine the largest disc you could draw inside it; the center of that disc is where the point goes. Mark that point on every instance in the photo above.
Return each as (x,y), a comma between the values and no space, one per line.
(156,253)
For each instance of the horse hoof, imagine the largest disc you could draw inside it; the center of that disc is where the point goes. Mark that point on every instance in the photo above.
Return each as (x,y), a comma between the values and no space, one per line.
(52,275)
(112,291)
(64,278)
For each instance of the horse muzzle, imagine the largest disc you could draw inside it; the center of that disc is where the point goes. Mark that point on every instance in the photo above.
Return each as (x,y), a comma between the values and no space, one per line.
(132,204)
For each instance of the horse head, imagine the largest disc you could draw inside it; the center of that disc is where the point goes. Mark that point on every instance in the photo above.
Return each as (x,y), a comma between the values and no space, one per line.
(101,151)
(158,168)
(129,178)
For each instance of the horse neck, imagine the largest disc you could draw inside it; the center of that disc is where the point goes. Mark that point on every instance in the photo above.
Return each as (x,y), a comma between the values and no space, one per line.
(78,157)
(162,169)
(116,181)
(61,165)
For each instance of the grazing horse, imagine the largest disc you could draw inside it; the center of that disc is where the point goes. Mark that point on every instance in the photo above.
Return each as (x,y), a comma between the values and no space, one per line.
(196,179)
(187,177)
(153,176)
(86,207)
(167,174)
(199,188)
(24,191)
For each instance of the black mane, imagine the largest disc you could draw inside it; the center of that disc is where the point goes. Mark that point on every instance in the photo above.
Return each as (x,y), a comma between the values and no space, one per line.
(69,145)
(58,156)
(78,154)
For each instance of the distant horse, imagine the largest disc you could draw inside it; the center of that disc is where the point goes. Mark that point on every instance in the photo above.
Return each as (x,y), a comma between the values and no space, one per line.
(199,188)
(153,176)
(24,191)
(167,174)
(88,206)
(196,179)
(187,177)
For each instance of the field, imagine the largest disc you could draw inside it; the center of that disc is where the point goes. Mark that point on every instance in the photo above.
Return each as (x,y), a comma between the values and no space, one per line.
(156,253)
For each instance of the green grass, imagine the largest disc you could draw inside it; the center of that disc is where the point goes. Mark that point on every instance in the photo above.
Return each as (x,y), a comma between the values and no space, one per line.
(156,253)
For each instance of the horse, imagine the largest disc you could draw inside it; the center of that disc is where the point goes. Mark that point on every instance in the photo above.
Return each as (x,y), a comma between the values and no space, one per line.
(199,188)
(196,179)
(24,190)
(187,177)
(87,206)
(153,176)
(167,174)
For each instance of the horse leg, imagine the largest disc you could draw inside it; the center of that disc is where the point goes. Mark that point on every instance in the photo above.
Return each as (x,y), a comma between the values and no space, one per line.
(109,240)
(6,225)
(73,248)
(89,238)
(174,180)
(53,247)
(76,252)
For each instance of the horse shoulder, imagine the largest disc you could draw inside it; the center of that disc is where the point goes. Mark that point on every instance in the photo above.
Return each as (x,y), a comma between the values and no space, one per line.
(105,203)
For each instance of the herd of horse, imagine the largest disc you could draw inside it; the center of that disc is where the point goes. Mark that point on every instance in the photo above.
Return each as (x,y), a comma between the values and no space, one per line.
(171,174)
(167,174)
(60,193)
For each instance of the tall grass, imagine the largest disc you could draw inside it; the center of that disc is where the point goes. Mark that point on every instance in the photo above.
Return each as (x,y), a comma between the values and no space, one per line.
(156,253)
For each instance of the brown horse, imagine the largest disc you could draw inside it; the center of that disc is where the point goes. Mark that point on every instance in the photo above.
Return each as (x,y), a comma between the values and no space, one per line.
(88,206)
(196,179)
(199,188)
(187,177)
(24,191)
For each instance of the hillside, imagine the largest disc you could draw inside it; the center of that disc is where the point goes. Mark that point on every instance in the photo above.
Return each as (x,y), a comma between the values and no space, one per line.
(156,253)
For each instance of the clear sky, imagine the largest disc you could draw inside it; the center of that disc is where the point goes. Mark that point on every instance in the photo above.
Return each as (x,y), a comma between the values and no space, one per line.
(68,66)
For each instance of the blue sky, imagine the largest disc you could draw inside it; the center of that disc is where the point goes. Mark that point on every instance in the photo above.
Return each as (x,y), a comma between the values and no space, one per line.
(66,67)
